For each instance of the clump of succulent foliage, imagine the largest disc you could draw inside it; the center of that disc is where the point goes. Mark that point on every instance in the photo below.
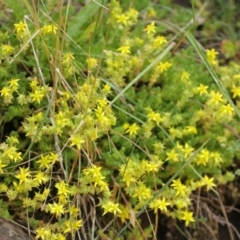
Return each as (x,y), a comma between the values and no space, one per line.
(109,120)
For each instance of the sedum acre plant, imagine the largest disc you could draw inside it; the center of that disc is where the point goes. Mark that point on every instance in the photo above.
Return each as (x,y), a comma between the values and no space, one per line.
(100,125)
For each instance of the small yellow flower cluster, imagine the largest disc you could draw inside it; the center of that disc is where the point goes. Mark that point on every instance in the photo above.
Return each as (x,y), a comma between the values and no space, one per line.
(212,56)
(7,49)
(60,208)
(218,108)
(79,115)
(160,204)
(124,49)
(152,116)
(122,20)
(153,119)
(38,91)
(133,176)
(118,67)
(235,90)
(205,157)
(47,161)
(153,43)
(94,176)
(134,51)
(45,233)
(201,89)
(20,29)
(7,91)
(9,153)
(50,28)
(150,29)
(178,197)
(110,207)
(96,121)
(181,195)
(132,129)
(187,217)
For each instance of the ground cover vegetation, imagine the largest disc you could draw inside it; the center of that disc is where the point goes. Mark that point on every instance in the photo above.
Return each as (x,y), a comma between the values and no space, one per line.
(113,109)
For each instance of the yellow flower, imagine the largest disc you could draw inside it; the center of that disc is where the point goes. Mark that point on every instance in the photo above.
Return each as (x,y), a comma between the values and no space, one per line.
(128,178)
(20,27)
(216,157)
(122,18)
(208,182)
(72,225)
(236,91)
(159,41)
(211,56)
(23,175)
(77,141)
(215,98)
(43,233)
(162,67)
(62,188)
(187,150)
(153,116)
(159,204)
(142,192)
(172,156)
(51,28)
(56,209)
(34,84)
(96,177)
(106,89)
(175,133)
(203,157)
(187,217)
(181,202)
(153,166)
(201,89)
(61,236)
(110,207)
(47,160)
(179,187)
(132,14)
(37,95)
(132,129)
(226,110)
(14,83)
(102,102)
(150,28)
(2,166)
(6,92)
(124,214)
(189,130)
(74,211)
(41,178)
(124,49)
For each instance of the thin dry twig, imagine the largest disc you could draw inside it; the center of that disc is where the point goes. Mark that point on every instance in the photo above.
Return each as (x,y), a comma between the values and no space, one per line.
(226,217)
